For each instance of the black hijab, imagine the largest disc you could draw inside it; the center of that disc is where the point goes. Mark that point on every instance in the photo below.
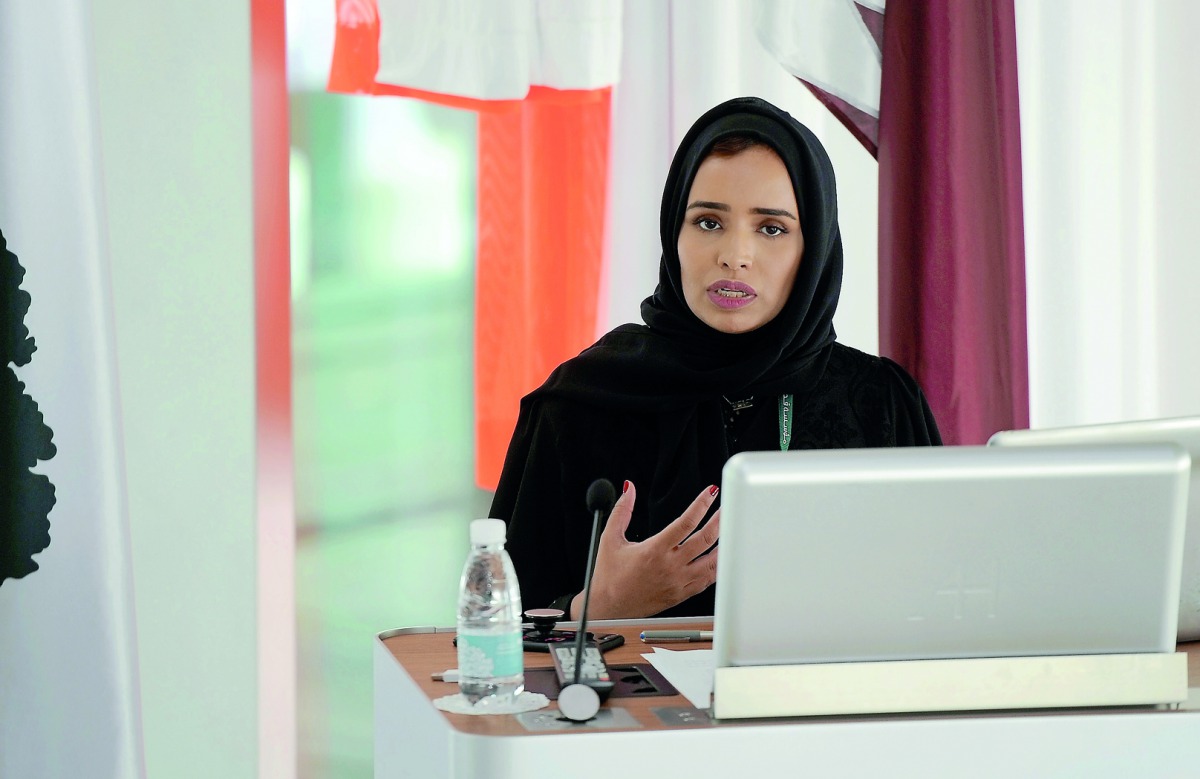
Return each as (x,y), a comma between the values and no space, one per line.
(676,359)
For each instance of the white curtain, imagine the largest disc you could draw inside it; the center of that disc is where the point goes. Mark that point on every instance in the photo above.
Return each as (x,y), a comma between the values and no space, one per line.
(69,683)
(1112,215)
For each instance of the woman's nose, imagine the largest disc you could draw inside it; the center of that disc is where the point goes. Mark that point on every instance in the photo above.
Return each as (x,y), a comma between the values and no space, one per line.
(738,253)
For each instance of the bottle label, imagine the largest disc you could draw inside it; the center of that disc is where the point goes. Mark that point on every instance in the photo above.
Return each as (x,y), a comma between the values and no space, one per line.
(482,656)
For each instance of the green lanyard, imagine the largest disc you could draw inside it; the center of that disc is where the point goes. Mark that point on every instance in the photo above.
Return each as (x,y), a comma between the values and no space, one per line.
(785,422)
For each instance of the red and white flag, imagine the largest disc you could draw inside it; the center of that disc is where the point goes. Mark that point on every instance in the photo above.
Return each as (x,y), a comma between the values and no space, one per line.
(540,74)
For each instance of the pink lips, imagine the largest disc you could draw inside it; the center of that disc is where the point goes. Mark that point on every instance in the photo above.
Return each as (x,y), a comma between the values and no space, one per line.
(731,294)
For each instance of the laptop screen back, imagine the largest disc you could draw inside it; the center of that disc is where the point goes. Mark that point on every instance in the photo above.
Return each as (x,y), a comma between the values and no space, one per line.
(895,554)
(1183,431)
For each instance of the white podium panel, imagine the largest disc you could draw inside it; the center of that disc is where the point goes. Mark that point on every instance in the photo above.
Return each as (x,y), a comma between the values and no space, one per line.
(976,684)
(414,739)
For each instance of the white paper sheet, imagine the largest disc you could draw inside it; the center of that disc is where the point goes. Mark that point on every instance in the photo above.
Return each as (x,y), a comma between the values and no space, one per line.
(690,671)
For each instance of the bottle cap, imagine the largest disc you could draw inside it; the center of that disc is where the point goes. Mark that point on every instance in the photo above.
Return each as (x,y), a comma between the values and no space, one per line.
(487,531)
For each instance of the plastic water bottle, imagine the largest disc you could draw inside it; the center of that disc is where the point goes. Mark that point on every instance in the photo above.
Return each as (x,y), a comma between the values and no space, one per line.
(491,661)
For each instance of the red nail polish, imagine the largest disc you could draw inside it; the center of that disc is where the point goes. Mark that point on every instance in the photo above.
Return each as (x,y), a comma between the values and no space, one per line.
(625,487)
(713,490)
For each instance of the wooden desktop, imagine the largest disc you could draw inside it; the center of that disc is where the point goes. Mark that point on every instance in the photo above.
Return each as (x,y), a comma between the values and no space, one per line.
(412,738)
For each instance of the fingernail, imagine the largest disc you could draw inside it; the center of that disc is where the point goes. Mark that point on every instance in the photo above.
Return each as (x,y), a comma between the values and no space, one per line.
(625,487)
(713,490)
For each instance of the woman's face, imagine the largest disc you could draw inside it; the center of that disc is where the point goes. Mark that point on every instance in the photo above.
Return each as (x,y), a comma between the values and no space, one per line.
(740,244)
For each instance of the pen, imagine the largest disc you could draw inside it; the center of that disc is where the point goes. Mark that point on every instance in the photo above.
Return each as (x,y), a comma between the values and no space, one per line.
(449,675)
(669,636)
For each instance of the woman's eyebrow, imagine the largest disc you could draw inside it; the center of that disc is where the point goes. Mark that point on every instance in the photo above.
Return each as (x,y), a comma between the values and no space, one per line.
(774,212)
(714,206)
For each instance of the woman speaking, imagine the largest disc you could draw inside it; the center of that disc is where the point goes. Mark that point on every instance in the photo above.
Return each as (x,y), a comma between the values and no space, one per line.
(737,353)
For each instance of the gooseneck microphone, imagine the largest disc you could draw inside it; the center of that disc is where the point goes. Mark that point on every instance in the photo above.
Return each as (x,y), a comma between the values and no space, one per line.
(600,499)
(580,702)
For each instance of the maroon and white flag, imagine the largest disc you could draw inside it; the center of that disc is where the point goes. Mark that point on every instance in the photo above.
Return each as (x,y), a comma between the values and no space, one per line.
(834,48)
(930,88)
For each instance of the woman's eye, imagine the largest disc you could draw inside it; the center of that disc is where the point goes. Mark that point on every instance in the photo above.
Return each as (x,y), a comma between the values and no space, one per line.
(707,224)
(772,230)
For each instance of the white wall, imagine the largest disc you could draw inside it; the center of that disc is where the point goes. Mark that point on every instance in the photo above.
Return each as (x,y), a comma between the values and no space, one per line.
(173,85)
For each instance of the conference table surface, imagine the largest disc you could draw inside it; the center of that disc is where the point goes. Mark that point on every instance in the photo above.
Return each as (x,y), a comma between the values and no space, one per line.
(415,739)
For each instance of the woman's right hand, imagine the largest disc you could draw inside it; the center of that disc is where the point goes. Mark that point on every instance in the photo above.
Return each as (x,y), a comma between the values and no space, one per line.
(642,578)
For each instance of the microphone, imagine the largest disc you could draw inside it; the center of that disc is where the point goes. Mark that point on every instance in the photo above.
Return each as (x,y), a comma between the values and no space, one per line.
(580,702)
(601,495)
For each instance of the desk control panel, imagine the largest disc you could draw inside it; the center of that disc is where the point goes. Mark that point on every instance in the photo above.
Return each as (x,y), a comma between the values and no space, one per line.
(593,672)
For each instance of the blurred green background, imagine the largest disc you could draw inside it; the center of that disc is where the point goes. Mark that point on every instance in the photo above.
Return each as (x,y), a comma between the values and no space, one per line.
(383,242)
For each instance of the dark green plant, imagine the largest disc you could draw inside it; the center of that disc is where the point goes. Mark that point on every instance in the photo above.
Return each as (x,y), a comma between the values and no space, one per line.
(26,498)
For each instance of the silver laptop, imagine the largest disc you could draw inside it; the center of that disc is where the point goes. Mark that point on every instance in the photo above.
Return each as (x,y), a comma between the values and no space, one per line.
(897,554)
(1183,431)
